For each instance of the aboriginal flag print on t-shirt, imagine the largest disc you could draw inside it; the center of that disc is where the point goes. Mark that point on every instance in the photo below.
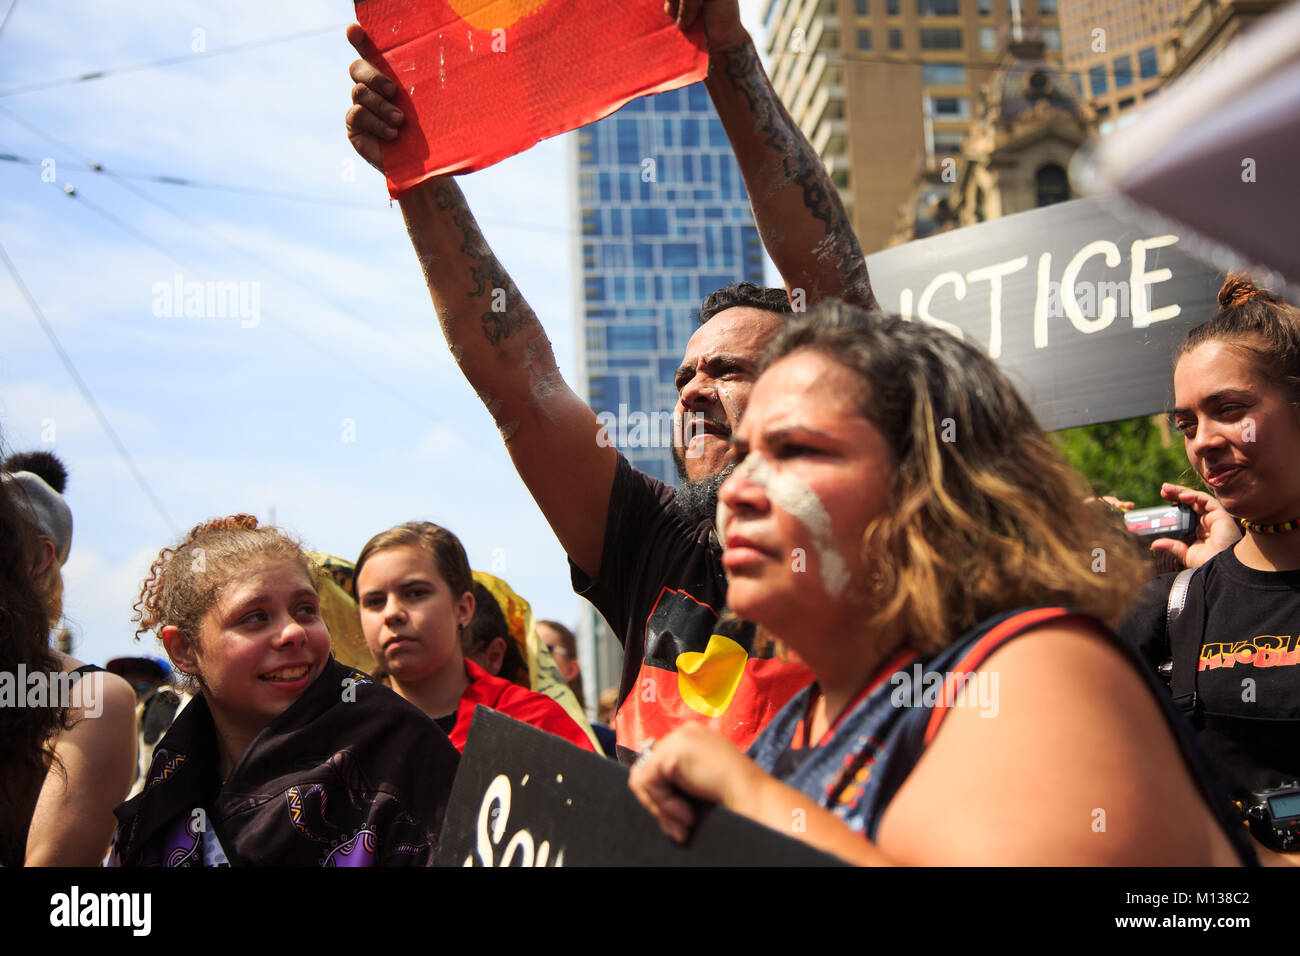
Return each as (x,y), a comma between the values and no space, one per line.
(480,80)
(661,587)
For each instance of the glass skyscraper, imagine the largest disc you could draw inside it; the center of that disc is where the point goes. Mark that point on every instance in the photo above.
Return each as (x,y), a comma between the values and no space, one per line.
(660,219)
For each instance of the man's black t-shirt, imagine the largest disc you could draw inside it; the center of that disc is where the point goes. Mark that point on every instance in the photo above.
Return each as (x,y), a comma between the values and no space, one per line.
(1248,678)
(662,589)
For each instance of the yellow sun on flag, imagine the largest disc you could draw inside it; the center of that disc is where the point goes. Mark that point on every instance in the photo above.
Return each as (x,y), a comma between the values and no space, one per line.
(707,681)
(494,14)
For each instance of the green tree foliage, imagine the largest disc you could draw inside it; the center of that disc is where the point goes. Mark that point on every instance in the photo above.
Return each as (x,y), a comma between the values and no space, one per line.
(1128,459)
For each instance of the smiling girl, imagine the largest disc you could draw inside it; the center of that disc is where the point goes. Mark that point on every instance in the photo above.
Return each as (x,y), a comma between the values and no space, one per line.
(1237,405)
(415,591)
(901,521)
(284,757)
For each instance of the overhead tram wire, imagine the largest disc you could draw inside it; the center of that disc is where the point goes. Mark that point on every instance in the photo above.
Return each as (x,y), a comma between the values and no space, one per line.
(261,262)
(169,61)
(889,57)
(73,193)
(885,57)
(182,181)
(381,385)
(86,394)
(95,167)
(92,166)
(8,13)
(405,348)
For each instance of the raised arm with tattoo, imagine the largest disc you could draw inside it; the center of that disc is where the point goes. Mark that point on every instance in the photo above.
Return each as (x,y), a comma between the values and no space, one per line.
(504,353)
(496,339)
(798,210)
(552,436)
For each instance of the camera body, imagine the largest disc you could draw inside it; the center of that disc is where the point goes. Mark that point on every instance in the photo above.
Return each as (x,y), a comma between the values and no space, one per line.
(1274,816)
(1163,521)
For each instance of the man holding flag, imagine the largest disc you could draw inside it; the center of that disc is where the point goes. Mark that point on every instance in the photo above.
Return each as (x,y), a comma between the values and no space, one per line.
(646,555)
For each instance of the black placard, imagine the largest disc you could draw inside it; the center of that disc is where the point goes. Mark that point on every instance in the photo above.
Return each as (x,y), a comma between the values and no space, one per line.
(1073,367)
(524,797)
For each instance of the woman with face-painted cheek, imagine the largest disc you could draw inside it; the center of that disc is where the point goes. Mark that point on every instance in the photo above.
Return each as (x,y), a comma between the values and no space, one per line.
(899,517)
(1237,404)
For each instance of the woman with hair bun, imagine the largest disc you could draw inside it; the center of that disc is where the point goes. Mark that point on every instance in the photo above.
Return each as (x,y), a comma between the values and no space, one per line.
(900,520)
(1231,651)
(284,757)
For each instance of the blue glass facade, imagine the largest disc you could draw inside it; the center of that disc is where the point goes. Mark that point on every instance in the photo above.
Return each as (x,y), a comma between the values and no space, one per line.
(663,220)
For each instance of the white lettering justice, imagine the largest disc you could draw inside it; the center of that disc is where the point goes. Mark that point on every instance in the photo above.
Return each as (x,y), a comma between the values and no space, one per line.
(1089,306)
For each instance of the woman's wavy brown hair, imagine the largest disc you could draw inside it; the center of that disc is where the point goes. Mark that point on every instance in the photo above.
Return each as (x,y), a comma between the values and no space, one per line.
(985,515)
(185,581)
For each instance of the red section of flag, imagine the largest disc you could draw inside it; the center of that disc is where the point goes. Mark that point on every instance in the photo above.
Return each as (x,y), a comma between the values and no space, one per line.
(654,707)
(474,95)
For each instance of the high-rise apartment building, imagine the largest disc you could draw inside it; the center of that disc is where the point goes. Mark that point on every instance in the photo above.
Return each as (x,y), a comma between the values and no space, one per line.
(661,219)
(886,89)
(1113,48)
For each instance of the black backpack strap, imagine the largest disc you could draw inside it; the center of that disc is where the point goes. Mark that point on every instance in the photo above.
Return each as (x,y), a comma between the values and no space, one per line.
(1185,633)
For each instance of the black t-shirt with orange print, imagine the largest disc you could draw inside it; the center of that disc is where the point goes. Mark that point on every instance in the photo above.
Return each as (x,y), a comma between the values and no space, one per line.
(1248,678)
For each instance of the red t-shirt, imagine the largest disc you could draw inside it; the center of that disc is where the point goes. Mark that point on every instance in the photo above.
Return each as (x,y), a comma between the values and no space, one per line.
(514,701)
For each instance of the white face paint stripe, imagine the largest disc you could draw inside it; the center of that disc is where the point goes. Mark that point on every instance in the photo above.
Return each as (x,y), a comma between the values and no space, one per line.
(800,502)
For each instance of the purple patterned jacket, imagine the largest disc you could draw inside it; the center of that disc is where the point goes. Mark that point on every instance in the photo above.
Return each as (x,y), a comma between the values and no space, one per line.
(350,775)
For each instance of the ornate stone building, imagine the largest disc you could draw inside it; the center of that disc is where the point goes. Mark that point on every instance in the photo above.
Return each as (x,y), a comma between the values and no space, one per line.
(1030,122)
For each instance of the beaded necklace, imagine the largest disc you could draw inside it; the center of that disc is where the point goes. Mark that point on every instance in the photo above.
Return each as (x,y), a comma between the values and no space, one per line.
(1270,528)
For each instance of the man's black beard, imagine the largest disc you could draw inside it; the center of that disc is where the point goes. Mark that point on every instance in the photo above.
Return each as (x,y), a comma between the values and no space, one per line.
(698,500)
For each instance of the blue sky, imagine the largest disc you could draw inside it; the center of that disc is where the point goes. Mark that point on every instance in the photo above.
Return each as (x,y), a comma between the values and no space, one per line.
(220,417)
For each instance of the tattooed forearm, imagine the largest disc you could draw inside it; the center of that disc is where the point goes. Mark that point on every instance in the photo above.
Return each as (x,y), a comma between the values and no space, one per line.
(493,335)
(501,321)
(791,161)
(507,312)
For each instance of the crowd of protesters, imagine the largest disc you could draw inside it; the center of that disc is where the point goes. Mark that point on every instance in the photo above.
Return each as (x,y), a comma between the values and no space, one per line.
(776,688)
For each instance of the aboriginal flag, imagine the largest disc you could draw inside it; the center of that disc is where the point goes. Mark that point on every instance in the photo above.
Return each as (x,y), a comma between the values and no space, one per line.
(485,79)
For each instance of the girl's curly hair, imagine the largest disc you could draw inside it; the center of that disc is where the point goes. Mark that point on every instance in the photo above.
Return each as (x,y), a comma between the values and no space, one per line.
(185,581)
